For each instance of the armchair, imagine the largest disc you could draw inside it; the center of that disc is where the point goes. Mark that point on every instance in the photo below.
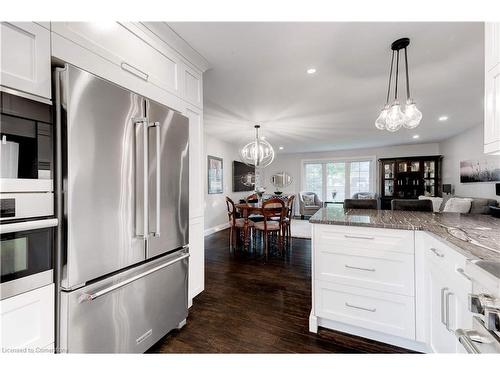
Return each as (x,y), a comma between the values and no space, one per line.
(308,207)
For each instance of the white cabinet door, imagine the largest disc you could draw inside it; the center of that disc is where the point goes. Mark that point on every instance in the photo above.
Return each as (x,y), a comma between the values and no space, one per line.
(196,161)
(440,339)
(492,111)
(491,45)
(197,257)
(27,320)
(119,44)
(192,90)
(446,307)
(25,58)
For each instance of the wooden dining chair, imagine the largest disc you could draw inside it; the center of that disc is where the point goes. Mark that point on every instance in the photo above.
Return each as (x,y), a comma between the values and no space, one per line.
(253,198)
(236,224)
(287,222)
(274,207)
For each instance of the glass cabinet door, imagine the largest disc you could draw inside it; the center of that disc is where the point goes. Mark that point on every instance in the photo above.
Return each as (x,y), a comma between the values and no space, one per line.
(389,170)
(429,169)
(430,188)
(388,188)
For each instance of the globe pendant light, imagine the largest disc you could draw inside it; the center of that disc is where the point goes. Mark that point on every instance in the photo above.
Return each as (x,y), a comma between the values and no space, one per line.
(258,153)
(392,117)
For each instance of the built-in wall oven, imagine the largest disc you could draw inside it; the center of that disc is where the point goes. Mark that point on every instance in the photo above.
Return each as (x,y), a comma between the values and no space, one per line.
(26,256)
(26,146)
(27,223)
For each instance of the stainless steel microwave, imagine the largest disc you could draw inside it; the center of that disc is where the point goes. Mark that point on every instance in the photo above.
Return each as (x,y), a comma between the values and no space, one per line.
(27,159)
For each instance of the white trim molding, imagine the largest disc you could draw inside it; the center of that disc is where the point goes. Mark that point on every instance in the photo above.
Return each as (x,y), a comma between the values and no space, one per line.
(216,229)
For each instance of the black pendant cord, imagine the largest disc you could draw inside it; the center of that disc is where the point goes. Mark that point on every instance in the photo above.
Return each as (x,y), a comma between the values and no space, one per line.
(390,77)
(407,77)
(397,75)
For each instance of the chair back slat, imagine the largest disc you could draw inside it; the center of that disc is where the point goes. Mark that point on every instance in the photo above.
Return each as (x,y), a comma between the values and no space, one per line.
(289,205)
(231,211)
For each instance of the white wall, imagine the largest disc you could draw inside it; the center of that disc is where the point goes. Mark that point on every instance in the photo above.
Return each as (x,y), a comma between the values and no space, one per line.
(215,204)
(292,163)
(466,146)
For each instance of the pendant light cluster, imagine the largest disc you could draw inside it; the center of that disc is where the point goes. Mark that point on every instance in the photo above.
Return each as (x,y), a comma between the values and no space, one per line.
(258,153)
(392,118)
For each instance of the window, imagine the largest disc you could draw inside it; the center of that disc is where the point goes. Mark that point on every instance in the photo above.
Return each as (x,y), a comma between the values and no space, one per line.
(314,178)
(336,180)
(360,177)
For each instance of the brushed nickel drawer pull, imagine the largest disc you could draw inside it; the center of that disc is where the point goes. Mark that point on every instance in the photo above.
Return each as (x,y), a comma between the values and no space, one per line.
(437,252)
(359,307)
(360,268)
(359,237)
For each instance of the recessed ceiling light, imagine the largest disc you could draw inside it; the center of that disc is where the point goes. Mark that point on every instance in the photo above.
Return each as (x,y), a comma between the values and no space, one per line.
(311,71)
(281,148)
(443,118)
(416,136)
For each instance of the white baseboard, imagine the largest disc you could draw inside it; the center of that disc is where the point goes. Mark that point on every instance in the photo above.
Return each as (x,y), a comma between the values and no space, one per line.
(215,229)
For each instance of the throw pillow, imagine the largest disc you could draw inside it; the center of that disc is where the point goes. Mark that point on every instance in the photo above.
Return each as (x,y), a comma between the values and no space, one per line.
(365,196)
(308,199)
(436,202)
(460,205)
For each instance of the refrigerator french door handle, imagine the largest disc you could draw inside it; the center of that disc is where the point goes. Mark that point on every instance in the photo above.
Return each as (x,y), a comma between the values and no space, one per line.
(141,169)
(156,126)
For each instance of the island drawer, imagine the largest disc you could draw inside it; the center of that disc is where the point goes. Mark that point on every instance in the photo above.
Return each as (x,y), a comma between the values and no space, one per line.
(383,312)
(363,239)
(386,271)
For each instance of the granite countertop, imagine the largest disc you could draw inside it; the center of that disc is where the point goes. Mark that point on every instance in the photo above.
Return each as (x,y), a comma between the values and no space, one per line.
(475,236)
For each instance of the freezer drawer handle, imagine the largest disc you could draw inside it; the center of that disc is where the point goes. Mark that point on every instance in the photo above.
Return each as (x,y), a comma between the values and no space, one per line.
(86,297)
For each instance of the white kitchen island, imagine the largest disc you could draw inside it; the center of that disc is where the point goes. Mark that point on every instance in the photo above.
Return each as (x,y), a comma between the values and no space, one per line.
(396,277)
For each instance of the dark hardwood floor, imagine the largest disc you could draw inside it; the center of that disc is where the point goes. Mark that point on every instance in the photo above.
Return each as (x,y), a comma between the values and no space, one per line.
(253,306)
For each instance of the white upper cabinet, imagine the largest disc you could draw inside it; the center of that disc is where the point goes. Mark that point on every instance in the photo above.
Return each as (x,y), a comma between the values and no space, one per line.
(191,84)
(25,59)
(130,55)
(492,89)
(116,43)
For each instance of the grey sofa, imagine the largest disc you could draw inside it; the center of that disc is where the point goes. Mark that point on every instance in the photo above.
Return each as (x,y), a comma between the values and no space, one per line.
(309,210)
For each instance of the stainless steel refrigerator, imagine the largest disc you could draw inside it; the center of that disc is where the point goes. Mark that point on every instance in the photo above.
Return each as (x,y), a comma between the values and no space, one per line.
(122,200)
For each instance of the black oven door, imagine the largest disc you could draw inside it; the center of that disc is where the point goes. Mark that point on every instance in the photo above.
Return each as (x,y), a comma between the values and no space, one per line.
(26,256)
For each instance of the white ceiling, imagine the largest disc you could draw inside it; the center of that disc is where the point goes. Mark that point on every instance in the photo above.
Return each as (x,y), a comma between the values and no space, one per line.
(258,75)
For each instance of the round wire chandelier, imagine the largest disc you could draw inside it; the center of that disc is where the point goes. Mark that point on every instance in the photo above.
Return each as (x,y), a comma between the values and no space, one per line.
(258,153)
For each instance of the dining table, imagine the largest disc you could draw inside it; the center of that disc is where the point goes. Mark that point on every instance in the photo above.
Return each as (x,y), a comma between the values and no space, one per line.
(246,209)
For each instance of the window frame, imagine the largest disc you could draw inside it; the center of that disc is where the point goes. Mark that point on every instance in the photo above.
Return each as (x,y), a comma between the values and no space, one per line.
(347,160)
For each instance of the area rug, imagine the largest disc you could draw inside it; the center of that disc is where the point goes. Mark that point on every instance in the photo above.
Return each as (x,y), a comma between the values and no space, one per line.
(301,228)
